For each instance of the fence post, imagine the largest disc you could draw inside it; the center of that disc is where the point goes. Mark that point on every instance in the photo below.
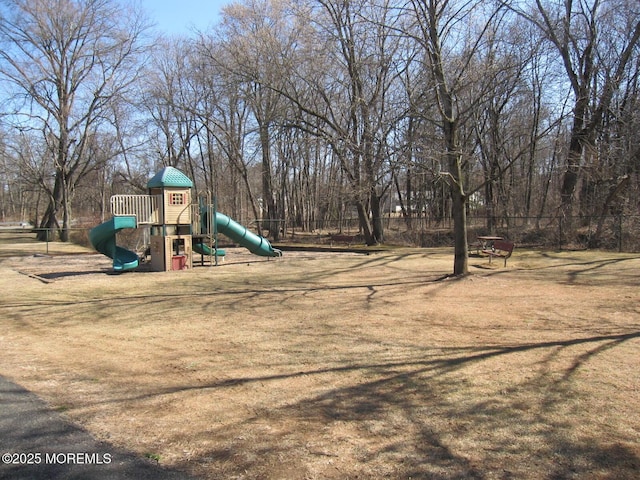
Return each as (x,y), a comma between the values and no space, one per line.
(620,233)
(560,218)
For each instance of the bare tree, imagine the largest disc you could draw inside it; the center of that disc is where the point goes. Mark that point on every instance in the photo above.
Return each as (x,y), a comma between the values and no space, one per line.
(509,121)
(259,36)
(66,62)
(170,101)
(451,33)
(595,41)
(224,114)
(340,87)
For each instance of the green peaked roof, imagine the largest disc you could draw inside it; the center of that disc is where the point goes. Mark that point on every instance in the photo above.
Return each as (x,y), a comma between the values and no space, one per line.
(170,177)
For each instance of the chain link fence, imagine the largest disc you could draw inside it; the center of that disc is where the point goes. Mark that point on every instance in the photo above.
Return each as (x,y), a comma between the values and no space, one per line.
(614,232)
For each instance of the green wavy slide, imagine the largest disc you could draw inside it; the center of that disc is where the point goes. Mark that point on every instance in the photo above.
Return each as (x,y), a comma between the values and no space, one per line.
(103,239)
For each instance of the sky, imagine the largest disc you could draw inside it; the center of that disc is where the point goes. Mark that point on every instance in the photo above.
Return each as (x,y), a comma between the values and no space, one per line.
(175,17)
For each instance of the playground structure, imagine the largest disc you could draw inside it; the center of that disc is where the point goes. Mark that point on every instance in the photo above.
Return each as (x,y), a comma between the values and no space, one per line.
(178,226)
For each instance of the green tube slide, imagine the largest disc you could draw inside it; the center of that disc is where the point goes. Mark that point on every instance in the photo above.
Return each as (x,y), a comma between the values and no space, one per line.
(204,249)
(103,239)
(254,243)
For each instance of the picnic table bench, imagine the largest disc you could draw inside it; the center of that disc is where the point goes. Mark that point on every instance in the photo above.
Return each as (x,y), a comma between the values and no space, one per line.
(483,242)
(499,248)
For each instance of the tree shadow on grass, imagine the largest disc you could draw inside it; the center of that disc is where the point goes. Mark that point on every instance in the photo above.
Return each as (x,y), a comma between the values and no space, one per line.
(575,269)
(431,419)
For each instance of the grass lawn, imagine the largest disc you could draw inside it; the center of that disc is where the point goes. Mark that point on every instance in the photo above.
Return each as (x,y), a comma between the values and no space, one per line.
(337,365)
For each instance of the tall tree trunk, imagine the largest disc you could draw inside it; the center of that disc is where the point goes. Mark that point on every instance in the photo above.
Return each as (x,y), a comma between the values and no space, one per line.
(445,98)
(49,221)
(574,159)
(364,222)
(406,213)
(267,183)
(376,217)
(458,199)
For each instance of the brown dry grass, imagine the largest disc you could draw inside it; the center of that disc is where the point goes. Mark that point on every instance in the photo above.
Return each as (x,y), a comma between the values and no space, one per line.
(340,365)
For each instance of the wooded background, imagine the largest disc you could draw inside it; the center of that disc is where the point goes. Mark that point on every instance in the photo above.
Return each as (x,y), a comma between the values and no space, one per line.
(380,117)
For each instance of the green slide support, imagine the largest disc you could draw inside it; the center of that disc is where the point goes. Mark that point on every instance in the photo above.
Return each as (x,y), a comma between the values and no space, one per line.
(103,239)
(254,243)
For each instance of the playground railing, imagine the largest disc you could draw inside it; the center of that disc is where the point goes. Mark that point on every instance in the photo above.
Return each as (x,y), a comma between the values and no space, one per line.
(146,208)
